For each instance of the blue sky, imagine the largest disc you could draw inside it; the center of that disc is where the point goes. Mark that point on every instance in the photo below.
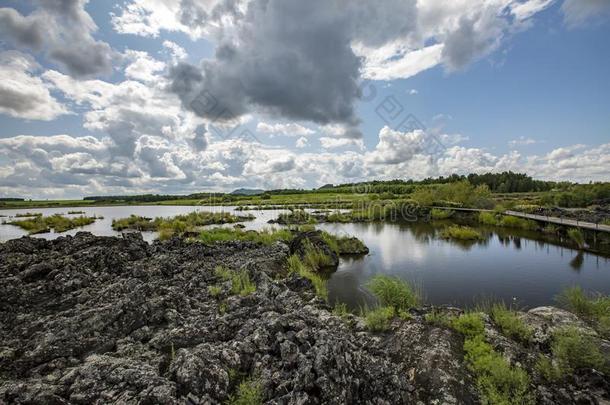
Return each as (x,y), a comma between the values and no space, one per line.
(511,85)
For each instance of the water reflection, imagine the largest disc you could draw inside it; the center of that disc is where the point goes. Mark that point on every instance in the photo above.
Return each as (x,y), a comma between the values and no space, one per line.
(523,267)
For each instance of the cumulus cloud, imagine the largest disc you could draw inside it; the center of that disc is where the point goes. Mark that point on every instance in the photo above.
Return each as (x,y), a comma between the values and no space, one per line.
(302,142)
(288,129)
(64,30)
(23,94)
(141,66)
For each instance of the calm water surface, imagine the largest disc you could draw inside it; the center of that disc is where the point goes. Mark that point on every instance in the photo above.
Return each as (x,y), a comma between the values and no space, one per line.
(513,266)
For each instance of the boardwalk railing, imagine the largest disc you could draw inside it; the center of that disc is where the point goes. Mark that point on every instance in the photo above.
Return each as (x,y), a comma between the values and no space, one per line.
(553,220)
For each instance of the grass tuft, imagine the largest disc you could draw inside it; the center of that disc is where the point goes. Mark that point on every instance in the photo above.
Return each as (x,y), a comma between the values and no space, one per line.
(510,324)
(394,292)
(378,319)
(461,233)
(249,392)
(296,266)
(595,309)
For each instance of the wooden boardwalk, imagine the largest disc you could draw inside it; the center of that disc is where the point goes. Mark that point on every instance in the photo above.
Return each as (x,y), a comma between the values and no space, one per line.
(543,218)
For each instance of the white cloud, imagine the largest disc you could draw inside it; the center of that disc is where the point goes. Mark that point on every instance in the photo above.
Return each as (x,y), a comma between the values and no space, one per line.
(288,129)
(522,141)
(413,92)
(23,94)
(302,142)
(142,66)
(333,143)
(176,51)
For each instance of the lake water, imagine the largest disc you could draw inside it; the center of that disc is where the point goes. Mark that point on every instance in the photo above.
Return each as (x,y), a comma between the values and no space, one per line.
(524,268)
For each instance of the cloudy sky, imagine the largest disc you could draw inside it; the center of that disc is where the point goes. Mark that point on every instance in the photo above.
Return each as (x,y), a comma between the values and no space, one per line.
(180,96)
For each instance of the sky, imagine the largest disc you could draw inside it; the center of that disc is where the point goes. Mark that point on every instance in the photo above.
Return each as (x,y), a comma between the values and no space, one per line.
(182,96)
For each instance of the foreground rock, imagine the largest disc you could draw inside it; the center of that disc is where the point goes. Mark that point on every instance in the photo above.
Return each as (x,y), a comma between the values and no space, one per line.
(90,319)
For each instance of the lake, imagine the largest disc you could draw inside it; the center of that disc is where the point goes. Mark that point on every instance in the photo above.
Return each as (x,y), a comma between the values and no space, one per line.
(521,267)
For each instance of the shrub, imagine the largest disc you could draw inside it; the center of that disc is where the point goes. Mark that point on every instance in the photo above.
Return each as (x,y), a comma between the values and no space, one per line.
(548,370)
(488,218)
(595,309)
(510,221)
(510,324)
(497,381)
(575,350)
(461,233)
(436,213)
(469,324)
(249,392)
(394,292)
(378,319)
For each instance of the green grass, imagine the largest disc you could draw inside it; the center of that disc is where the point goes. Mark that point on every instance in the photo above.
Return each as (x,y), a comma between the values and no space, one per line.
(296,217)
(436,213)
(439,318)
(577,237)
(548,370)
(56,222)
(295,265)
(394,292)
(593,308)
(249,392)
(28,214)
(469,324)
(460,233)
(177,224)
(265,236)
(498,382)
(510,324)
(214,290)
(507,221)
(575,350)
(315,259)
(340,310)
(378,319)
(240,281)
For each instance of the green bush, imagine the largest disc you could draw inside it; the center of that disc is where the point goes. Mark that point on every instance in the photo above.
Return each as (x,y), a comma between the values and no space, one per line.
(510,324)
(469,324)
(265,237)
(575,350)
(488,218)
(460,233)
(56,222)
(595,309)
(548,370)
(378,319)
(497,381)
(394,292)
(436,213)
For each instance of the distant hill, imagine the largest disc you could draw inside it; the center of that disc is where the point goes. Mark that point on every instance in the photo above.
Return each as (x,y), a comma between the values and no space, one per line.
(247,191)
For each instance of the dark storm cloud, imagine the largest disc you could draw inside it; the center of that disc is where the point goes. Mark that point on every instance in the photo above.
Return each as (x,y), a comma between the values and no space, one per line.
(22,31)
(62,28)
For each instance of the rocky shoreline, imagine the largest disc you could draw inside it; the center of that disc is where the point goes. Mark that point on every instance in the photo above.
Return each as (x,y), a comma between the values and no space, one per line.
(89,319)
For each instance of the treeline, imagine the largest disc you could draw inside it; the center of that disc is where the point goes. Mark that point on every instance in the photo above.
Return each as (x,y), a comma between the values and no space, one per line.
(579,195)
(505,182)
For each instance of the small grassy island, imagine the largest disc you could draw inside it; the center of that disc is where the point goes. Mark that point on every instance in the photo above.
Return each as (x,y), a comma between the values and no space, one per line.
(58,223)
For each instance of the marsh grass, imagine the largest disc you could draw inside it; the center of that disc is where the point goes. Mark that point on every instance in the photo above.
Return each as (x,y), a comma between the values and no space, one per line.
(56,222)
(593,308)
(439,318)
(296,266)
(214,290)
(315,259)
(378,319)
(469,324)
(507,221)
(296,217)
(575,350)
(510,324)
(437,213)
(265,236)
(394,292)
(577,237)
(179,223)
(461,233)
(241,283)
